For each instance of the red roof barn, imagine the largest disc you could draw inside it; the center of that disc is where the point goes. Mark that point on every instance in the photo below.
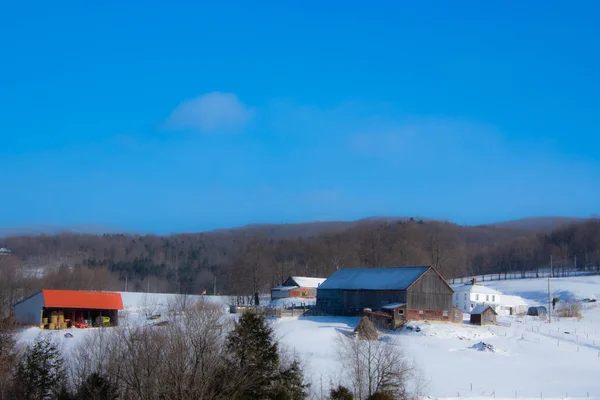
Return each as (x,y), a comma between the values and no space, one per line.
(69,308)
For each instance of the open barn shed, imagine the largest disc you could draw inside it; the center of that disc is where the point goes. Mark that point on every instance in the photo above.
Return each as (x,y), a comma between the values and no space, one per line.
(59,309)
(483,314)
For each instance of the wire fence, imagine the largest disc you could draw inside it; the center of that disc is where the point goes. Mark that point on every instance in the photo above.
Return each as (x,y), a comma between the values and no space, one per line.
(538,273)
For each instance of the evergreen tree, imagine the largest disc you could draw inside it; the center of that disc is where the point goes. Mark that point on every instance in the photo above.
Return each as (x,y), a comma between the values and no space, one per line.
(382,396)
(291,384)
(96,387)
(341,393)
(40,374)
(252,349)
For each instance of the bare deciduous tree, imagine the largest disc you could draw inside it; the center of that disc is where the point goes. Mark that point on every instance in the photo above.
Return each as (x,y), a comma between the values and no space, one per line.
(374,366)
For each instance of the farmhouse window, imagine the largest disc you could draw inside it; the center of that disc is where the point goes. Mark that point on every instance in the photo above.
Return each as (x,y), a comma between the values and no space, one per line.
(493,297)
(487,297)
(465,296)
(477,297)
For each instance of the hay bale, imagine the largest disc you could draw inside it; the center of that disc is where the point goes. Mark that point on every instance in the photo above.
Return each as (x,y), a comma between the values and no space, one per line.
(366,330)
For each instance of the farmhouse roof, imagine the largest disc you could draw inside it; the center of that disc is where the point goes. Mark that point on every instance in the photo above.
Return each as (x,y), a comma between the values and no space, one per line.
(476,289)
(513,300)
(304,281)
(479,309)
(81,299)
(285,288)
(389,278)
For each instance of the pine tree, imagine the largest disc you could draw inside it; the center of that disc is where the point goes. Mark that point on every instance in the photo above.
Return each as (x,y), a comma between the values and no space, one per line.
(291,384)
(341,393)
(381,396)
(41,374)
(96,387)
(254,352)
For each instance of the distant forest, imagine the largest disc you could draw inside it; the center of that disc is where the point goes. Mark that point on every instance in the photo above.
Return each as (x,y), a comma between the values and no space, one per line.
(254,259)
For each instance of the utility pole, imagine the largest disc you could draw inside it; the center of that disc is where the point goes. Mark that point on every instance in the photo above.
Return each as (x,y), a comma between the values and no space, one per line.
(551,270)
(148,286)
(549,303)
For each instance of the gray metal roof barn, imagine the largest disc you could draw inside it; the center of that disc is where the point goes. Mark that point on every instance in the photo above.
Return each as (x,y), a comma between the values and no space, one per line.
(424,293)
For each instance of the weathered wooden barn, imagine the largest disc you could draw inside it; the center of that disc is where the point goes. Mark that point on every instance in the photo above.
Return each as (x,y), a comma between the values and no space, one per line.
(59,309)
(483,314)
(297,286)
(408,293)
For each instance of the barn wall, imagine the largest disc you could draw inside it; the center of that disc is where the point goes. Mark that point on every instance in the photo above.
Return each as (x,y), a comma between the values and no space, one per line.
(429,315)
(279,294)
(329,299)
(488,317)
(348,300)
(303,292)
(371,298)
(430,292)
(29,311)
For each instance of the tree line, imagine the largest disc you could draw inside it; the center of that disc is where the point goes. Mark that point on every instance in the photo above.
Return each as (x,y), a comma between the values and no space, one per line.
(244,262)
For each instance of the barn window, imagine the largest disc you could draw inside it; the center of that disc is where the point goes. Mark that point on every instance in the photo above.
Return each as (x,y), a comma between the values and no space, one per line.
(445,314)
(400,311)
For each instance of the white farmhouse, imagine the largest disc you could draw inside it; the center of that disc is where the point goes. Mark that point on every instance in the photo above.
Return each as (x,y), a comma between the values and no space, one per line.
(467,297)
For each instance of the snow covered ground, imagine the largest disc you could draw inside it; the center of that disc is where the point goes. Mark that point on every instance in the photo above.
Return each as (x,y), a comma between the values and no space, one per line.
(137,308)
(531,358)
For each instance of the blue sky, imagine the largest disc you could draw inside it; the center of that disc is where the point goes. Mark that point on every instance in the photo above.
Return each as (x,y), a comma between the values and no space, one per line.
(189,116)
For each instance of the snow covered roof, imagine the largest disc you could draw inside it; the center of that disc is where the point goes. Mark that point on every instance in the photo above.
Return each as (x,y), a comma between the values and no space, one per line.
(390,278)
(476,289)
(304,281)
(285,288)
(391,306)
(513,300)
(481,308)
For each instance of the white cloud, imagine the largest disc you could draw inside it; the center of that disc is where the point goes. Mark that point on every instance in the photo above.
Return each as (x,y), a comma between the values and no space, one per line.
(212,112)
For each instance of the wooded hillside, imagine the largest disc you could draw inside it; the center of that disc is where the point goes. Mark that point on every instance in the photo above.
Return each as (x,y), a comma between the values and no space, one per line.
(249,260)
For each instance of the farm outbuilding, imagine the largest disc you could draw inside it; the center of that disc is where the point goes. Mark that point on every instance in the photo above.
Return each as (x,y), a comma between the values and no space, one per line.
(297,286)
(407,293)
(537,311)
(59,309)
(483,315)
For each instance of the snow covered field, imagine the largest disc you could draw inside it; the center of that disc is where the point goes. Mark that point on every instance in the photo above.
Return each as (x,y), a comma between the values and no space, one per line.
(530,358)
